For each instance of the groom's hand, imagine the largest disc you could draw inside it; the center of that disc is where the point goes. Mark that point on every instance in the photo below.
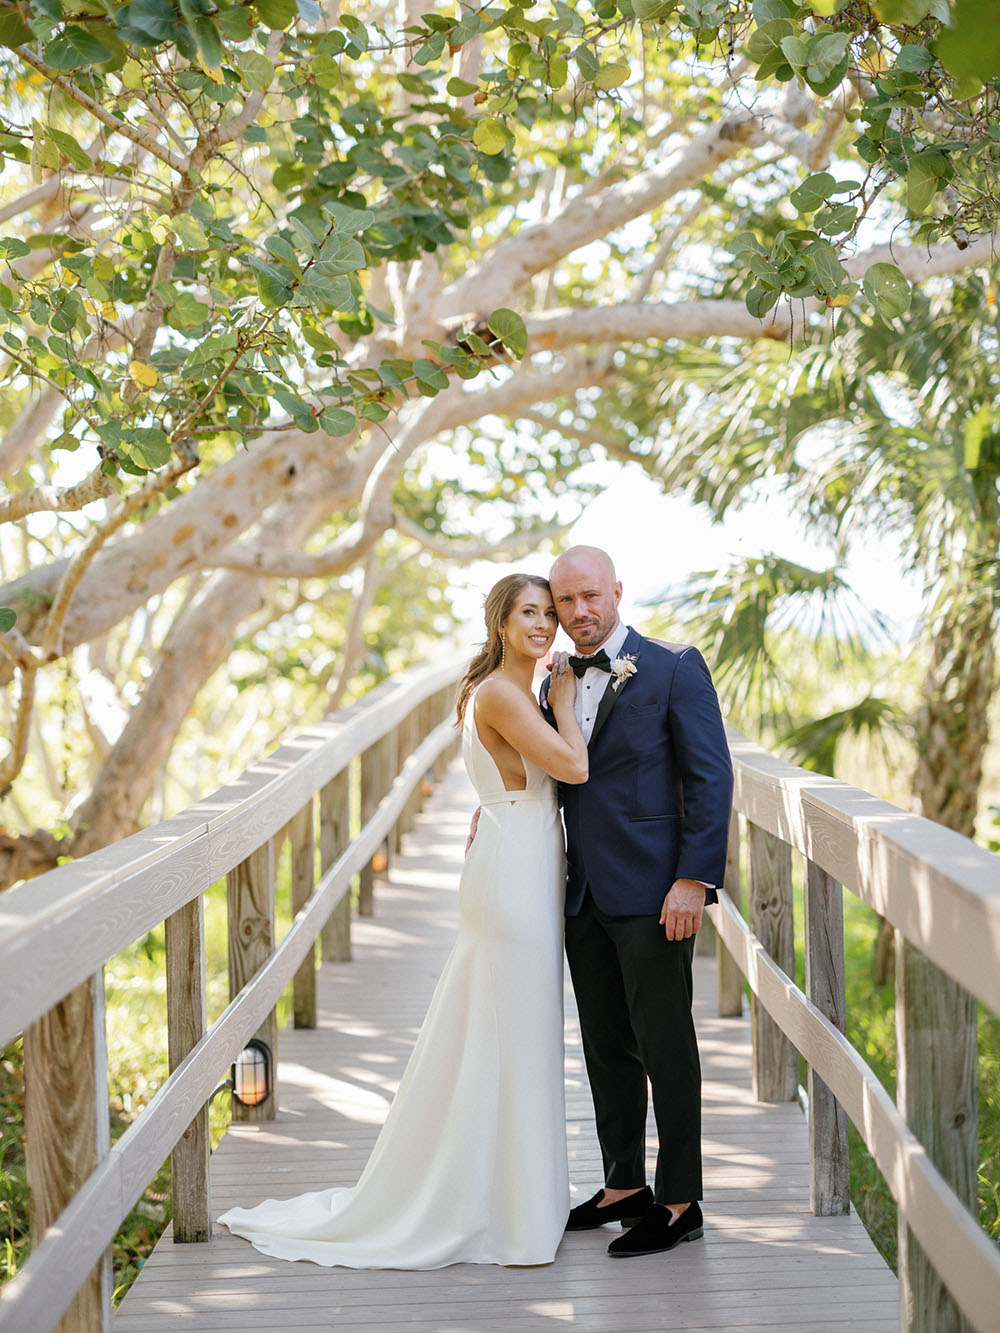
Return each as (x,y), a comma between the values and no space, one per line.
(472,828)
(682,909)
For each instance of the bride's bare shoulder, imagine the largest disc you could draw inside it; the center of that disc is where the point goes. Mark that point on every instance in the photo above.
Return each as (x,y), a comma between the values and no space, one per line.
(495,692)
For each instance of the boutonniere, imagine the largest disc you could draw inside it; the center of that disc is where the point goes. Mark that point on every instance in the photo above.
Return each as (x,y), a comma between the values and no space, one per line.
(621,668)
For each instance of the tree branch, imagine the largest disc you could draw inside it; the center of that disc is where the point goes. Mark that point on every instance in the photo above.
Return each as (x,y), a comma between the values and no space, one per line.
(470,548)
(60,499)
(370,577)
(509,264)
(131,504)
(139,137)
(239,124)
(14,761)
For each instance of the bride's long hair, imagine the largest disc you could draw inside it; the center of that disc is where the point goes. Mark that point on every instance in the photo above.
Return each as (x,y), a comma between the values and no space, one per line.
(499,603)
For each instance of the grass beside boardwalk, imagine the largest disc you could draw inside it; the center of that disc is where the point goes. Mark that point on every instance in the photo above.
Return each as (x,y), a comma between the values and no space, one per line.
(871,1029)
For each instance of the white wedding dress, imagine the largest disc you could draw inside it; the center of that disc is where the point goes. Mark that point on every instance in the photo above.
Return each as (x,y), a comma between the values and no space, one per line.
(470,1165)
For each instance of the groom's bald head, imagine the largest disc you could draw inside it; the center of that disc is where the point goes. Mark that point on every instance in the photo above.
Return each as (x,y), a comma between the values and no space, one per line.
(586,593)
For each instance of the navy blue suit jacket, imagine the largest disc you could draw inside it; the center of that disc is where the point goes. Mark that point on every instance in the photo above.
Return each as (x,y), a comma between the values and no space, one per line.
(656,805)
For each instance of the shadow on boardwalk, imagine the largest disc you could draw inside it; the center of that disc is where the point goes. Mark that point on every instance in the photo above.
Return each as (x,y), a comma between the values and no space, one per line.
(765,1261)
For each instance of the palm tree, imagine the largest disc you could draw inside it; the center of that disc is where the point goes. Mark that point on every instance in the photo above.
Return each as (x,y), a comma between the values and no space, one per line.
(885,430)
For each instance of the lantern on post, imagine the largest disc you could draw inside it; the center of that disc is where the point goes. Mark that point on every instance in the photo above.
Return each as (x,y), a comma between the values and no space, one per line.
(252,1073)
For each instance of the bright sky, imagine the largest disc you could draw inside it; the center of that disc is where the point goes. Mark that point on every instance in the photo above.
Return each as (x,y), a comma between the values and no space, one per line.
(658,540)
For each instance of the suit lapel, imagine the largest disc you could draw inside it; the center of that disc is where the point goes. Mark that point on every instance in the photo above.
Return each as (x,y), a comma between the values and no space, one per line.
(610,696)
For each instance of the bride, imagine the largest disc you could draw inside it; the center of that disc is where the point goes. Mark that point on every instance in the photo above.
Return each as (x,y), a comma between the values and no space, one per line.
(470,1165)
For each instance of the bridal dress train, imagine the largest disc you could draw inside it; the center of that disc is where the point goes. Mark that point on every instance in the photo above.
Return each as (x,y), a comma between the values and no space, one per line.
(470,1165)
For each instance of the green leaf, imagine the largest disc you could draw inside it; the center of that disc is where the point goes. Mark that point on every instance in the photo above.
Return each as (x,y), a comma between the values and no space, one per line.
(906,13)
(429,376)
(887,289)
(796,51)
(828,270)
(13,30)
(430,50)
(813,191)
(914,58)
(8,619)
(349,220)
(147,22)
(611,76)
(327,289)
(282,249)
(12,247)
(74,153)
(337,421)
(767,38)
(508,326)
(558,73)
(300,412)
(460,88)
(923,180)
(256,70)
(759,300)
(74,48)
(340,254)
(489,136)
(647,10)
(970,47)
(825,54)
(147,447)
(586,62)
(273,287)
(276,14)
(189,231)
(187,311)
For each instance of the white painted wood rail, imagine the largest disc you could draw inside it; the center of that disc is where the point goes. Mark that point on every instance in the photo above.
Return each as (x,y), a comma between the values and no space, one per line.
(58,931)
(942,893)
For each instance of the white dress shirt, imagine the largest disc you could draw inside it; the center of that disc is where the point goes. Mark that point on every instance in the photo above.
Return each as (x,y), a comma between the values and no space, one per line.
(592,684)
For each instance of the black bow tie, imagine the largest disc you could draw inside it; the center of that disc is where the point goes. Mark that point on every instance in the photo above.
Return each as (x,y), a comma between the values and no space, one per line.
(600,660)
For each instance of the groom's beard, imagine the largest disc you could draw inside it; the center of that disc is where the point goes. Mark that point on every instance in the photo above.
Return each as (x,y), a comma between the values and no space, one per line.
(590,633)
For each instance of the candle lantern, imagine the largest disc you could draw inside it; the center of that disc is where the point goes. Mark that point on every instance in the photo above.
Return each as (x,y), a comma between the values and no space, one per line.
(252,1073)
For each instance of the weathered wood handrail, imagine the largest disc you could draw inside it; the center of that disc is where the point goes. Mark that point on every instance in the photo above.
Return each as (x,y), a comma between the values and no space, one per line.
(57,933)
(942,893)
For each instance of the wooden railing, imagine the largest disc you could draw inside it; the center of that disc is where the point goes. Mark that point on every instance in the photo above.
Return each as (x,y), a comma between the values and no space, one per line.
(942,894)
(57,933)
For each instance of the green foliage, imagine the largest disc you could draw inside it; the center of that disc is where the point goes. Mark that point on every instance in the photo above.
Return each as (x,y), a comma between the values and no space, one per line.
(247,295)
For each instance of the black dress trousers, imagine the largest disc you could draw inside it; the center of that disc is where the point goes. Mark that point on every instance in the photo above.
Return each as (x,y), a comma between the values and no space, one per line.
(633,991)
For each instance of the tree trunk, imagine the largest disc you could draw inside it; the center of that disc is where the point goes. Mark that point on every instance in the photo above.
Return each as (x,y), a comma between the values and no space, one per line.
(952,724)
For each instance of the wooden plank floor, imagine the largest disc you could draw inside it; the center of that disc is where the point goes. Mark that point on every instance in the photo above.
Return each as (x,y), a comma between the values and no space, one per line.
(764,1263)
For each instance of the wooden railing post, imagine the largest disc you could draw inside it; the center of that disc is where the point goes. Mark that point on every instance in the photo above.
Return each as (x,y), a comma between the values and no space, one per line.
(371,793)
(937,1094)
(730,976)
(334,835)
(66,1129)
(769,893)
(829,1155)
(250,897)
(443,703)
(301,837)
(186,1022)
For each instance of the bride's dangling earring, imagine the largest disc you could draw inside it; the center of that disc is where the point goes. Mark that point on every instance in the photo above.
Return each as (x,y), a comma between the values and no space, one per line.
(503,651)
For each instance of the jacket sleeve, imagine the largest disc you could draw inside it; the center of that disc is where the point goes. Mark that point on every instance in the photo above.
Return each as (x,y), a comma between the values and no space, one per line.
(701,754)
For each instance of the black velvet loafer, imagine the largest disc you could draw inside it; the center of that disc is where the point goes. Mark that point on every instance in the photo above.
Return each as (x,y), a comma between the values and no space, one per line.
(628,1211)
(656,1232)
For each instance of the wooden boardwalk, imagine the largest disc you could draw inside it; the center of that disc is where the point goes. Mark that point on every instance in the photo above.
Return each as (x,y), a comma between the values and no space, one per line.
(765,1261)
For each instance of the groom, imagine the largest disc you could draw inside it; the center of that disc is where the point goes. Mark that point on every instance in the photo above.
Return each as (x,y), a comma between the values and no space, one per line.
(646,847)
